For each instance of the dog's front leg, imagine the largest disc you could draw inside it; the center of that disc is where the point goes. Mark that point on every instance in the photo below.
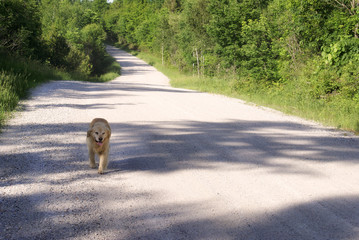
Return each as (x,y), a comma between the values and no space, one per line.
(92,158)
(103,163)
(91,152)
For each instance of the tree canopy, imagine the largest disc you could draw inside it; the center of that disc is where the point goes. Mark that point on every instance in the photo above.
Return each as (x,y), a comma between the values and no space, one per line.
(262,42)
(266,44)
(67,34)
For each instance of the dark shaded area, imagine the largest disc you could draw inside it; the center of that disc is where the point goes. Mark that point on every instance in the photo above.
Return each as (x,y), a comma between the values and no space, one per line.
(296,222)
(161,149)
(194,144)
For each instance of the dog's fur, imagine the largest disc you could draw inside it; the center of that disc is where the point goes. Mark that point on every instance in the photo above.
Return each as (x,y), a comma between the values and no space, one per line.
(98,142)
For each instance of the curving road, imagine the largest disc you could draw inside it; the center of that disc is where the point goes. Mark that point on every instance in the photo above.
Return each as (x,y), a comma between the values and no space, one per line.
(183,165)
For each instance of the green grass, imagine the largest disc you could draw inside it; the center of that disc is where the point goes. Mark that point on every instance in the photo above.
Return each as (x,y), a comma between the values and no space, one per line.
(294,98)
(180,79)
(18,75)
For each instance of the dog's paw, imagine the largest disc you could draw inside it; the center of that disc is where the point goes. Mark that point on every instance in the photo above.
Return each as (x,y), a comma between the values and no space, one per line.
(100,171)
(92,165)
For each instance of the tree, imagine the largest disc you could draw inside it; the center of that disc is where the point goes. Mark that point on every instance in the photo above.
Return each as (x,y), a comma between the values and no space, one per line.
(196,17)
(20,27)
(259,60)
(74,35)
(93,36)
(100,6)
(352,8)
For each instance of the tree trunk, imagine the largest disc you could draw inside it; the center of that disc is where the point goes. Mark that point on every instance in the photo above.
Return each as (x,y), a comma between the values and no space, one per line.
(198,71)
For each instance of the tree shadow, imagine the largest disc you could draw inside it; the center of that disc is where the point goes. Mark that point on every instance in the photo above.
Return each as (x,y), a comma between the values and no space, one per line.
(166,147)
(200,144)
(328,218)
(27,221)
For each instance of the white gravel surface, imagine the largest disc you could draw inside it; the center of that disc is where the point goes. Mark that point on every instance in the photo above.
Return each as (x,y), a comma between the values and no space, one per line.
(183,165)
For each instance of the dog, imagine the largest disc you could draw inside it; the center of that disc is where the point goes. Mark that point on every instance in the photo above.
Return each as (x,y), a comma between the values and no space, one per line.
(98,142)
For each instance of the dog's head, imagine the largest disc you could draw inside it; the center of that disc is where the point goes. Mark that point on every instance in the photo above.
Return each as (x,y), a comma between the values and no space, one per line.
(100,133)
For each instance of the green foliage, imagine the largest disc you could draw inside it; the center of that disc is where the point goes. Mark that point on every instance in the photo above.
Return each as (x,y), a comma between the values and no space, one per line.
(259,60)
(40,39)
(342,52)
(74,34)
(100,6)
(301,54)
(17,75)
(296,53)
(58,49)
(20,27)
(76,37)
(92,37)
(10,83)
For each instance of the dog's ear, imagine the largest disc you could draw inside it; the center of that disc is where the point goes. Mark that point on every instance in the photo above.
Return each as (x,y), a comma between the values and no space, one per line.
(108,132)
(89,132)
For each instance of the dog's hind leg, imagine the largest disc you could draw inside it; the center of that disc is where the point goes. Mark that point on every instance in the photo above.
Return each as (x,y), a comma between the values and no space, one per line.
(103,163)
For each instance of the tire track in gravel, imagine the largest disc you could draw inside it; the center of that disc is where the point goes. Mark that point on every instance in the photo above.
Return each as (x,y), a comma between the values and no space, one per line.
(183,165)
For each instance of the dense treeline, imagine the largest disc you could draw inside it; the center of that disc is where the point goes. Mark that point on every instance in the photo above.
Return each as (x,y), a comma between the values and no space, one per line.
(297,52)
(307,49)
(262,41)
(50,39)
(67,34)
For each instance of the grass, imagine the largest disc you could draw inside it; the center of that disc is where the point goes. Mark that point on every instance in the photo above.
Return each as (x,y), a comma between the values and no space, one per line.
(18,75)
(188,80)
(294,98)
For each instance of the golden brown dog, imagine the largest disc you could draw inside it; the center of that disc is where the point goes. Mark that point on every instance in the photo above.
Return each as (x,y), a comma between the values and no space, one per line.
(98,142)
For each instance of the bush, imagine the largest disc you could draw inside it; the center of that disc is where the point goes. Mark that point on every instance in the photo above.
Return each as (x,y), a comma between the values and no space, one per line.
(20,27)
(93,37)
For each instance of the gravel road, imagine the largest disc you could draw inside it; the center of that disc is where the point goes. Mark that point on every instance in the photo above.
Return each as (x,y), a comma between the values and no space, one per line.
(183,165)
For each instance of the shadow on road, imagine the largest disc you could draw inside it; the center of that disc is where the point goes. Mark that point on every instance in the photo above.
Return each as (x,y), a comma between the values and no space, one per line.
(183,145)
(294,222)
(198,144)
(166,147)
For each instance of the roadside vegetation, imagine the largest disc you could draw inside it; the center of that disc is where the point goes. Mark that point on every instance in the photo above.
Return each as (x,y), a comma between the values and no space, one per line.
(301,57)
(50,40)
